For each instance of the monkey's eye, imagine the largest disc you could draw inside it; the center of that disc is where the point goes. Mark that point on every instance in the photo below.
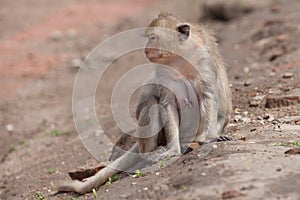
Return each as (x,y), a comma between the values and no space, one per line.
(152,37)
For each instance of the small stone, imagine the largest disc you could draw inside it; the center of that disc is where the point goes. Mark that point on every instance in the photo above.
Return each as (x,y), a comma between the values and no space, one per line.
(287,75)
(124,196)
(259,118)
(275,121)
(272,74)
(275,8)
(71,33)
(156,188)
(275,53)
(133,183)
(247,82)
(282,38)
(246,69)
(278,169)
(164,187)
(270,119)
(280,101)
(9,128)
(231,194)
(145,189)
(245,119)
(237,118)
(215,146)
(254,103)
(293,151)
(243,138)
(76,62)
(203,174)
(56,35)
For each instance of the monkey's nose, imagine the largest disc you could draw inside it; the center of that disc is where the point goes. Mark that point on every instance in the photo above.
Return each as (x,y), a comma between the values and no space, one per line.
(147,50)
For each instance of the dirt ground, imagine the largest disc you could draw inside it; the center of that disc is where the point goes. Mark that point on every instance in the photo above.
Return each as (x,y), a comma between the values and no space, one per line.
(40,45)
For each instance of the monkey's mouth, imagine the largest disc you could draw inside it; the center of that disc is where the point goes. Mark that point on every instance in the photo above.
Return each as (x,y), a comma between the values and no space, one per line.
(158,56)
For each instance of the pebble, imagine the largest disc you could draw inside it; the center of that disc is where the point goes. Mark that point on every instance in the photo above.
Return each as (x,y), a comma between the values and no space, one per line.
(124,196)
(76,62)
(237,118)
(272,74)
(164,187)
(254,103)
(287,75)
(246,69)
(275,8)
(245,119)
(56,35)
(9,128)
(71,33)
(282,38)
(247,82)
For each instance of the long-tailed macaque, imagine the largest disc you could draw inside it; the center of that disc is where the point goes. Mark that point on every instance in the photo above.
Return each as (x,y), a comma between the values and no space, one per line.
(203,73)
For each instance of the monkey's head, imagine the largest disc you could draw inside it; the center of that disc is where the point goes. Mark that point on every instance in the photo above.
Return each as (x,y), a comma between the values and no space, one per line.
(166,35)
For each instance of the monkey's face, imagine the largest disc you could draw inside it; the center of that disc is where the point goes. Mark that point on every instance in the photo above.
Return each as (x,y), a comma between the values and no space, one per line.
(164,44)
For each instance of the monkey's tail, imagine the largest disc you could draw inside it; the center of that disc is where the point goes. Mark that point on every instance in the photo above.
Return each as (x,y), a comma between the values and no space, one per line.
(69,186)
(88,184)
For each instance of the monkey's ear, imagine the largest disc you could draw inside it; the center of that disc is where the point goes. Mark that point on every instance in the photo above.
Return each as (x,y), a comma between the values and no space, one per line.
(184,31)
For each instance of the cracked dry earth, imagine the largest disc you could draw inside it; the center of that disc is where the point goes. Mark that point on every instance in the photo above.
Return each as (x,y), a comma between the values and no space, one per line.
(262,51)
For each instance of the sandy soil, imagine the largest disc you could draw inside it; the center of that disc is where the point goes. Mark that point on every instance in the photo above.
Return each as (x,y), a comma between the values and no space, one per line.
(39,41)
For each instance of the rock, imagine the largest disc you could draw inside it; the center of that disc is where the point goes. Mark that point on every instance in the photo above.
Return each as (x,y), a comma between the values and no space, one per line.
(247,82)
(124,196)
(85,173)
(282,38)
(287,75)
(237,118)
(245,120)
(56,35)
(220,10)
(293,151)
(276,102)
(246,69)
(9,128)
(275,8)
(71,33)
(76,62)
(256,101)
(275,53)
(231,194)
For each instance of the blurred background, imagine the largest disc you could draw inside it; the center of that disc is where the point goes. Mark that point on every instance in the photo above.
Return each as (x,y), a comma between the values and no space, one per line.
(42,44)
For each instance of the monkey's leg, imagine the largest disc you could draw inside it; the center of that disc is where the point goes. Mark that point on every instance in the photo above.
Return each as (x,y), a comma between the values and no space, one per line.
(170,120)
(121,164)
(211,119)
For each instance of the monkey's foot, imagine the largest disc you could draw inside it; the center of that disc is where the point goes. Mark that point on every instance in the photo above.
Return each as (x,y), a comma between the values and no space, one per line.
(223,138)
(161,153)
